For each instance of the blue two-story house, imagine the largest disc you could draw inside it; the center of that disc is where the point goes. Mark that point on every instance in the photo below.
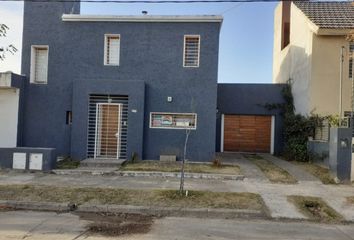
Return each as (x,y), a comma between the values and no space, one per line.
(117,86)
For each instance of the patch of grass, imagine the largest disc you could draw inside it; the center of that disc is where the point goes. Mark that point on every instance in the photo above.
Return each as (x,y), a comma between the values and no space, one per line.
(158,166)
(160,198)
(68,163)
(274,173)
(320,172)
(316,209)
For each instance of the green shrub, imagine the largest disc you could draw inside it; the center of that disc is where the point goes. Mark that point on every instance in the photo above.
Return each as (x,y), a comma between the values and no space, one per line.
(297,128)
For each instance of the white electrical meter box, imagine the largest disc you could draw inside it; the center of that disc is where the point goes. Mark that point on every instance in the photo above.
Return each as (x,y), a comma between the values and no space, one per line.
(36,161)
(19,161)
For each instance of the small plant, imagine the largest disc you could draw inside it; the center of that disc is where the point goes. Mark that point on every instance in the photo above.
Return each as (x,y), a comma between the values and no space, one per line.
(134,157)
(68,163)
(217,162)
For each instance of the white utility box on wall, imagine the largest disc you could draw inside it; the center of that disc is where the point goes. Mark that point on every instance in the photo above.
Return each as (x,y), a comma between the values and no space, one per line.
(19,161)
(36,161)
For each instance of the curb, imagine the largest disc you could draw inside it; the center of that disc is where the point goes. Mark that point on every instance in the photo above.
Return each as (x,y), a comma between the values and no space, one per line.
(152,174)
(177,175)
(147,210)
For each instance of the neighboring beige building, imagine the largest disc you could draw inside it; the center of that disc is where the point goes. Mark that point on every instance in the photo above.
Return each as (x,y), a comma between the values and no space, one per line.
(308,38)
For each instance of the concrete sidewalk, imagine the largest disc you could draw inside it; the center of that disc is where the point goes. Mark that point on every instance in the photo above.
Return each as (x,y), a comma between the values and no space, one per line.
(274,195)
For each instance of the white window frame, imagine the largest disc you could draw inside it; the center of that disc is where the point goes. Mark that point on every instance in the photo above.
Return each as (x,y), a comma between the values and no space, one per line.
(174,113)
(33,64)
(184,50)
(106,36)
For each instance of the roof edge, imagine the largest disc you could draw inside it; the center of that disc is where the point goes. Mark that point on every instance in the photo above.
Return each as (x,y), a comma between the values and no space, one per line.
(138,18)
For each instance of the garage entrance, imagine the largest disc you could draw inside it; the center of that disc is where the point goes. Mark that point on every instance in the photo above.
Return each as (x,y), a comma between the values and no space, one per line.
(247,133)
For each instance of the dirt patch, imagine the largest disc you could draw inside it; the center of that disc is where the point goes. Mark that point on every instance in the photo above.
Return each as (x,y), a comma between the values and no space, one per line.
(316,209)
(116,224)
(4,208)
(158,166)
(274,173)
(320,172)
(350,200)
(158,198)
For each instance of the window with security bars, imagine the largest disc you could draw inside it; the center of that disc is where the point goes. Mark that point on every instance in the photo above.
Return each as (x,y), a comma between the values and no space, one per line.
(351,49)
(112,49)
(39,64)
(191,53)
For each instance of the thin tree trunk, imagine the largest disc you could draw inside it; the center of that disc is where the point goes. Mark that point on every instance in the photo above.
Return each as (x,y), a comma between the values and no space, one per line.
(181,186)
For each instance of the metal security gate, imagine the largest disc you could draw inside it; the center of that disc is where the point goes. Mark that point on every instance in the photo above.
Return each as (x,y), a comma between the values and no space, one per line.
(107,127)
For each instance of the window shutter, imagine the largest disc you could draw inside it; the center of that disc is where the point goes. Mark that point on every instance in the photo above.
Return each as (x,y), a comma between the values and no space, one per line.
(113,45)
(191,51)
(40,65)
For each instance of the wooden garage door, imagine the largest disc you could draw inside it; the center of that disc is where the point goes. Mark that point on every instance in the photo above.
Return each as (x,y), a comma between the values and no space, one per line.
(247,133)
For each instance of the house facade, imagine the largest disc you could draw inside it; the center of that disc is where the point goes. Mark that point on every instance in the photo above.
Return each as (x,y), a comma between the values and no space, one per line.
(122,87)
(312,50)
(119,86)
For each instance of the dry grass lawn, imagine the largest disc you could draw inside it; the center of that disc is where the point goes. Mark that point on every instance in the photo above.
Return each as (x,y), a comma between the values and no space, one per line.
(158,166)
(274,173)
(160,198)
(316,209)
(320,172)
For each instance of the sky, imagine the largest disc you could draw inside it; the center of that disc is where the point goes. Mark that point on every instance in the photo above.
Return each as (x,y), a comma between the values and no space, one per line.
(246,37)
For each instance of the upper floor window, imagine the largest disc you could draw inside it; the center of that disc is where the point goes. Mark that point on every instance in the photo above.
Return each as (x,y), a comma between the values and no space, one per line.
(351,61)
(191,54)
(39,64)
(111,49)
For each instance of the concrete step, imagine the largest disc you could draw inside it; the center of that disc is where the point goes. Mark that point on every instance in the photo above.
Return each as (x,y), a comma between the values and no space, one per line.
(101,163)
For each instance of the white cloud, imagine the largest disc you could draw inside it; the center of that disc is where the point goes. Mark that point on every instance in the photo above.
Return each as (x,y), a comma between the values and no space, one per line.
(11,14)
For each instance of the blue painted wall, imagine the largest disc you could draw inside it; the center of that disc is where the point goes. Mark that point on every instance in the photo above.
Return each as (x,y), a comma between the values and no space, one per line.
(18,81)
(249,99)
(151,53)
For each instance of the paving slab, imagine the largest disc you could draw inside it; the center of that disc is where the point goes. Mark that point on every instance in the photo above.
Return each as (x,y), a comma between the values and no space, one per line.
(249,169)
(280,207)
(300,174)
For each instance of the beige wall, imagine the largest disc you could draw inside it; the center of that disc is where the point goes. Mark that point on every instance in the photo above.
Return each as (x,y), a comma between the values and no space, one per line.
(326,75)
(294,61)
(9,100)
(312,63)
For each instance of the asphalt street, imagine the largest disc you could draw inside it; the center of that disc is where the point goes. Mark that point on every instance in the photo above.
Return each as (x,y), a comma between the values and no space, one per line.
(31,225)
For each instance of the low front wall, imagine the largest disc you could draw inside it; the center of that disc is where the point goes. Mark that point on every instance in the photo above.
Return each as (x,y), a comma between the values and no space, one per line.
(319,151)
(48,154)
